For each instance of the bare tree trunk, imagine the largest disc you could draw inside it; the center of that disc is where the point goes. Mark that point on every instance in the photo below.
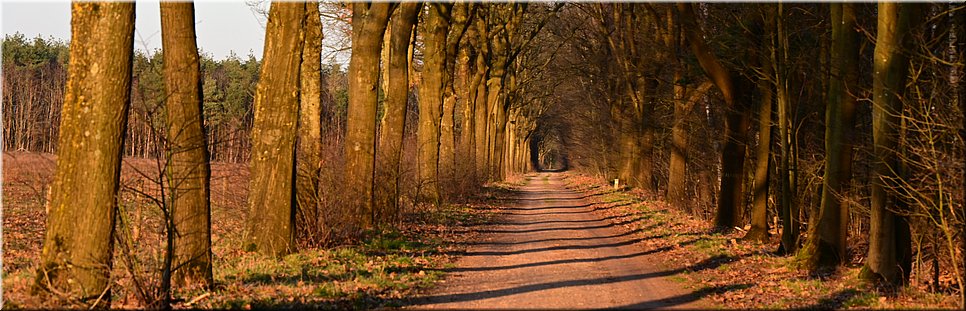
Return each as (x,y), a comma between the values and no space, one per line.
(469,84)
(76,257)
(397,96)
(272,195)
(759,208)
(308,160)
(789,208)
(431,100)
(825,246)
(889,259)
(731,195)
(369,22)
(188,171)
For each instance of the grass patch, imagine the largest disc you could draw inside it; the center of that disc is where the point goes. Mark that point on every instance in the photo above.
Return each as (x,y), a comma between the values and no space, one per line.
(379,272)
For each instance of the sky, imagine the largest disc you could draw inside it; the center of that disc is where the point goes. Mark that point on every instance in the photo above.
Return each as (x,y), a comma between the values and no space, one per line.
(222,26)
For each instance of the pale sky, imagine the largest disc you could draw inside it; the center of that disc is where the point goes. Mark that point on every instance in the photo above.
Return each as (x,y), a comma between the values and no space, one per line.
(221,26)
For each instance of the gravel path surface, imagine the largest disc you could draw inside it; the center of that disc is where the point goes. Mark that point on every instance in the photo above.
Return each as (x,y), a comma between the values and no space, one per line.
(552,250)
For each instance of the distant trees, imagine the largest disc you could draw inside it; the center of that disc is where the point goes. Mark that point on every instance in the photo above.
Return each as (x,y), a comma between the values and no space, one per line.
(78,247)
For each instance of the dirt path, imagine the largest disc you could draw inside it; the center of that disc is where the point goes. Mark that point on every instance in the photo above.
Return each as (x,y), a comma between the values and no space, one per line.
(552,250)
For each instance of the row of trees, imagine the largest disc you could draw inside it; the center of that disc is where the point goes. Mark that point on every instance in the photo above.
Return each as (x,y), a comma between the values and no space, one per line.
(865,102)
(474,120)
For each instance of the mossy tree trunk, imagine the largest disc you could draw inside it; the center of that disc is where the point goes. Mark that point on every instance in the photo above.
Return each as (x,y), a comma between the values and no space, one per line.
(272,197)
(188,170)
(76,256)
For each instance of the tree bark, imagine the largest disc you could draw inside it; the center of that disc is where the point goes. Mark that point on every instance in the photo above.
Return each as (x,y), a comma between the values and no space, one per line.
(76,257)
(272,196)
(889,259)
(825,246)
(397,97)
(731,195)
(369,22)
(308,160)
(431,100)
(789,208)
(188,170)
(759,208)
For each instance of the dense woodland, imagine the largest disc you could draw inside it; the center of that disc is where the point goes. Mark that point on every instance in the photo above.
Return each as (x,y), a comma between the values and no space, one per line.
(838,126)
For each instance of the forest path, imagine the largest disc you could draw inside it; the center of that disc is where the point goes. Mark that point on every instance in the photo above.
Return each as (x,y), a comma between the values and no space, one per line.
(551,250)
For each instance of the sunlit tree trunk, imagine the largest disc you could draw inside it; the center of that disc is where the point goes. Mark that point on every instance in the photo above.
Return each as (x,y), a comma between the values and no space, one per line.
(369,22)
(188,172)
(272,196)
(309,147)
(397,96)
(825,245)
(76,256)
(447,141)
(469,82)
(889,260)
(482,115)
(431,100)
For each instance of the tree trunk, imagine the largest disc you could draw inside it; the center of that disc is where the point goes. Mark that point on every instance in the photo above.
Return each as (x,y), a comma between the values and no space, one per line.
(825,246)
(188,171)
(731,195)
(759,208)
(482,118)
(369,21)
(789,208)
(431,100)
(397,96)
(272,195)
(447,142)
(469,83)
(889,260)
(76,257)
(677,170)
(308,160)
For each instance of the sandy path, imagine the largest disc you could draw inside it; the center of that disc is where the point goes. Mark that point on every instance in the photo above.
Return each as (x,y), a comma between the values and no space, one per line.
(553,251)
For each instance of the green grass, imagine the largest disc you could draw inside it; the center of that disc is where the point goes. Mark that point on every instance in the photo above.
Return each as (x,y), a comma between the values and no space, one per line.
(381,270)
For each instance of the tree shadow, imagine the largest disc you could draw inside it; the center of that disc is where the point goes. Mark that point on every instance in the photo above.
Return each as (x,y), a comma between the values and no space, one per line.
(685,298)
(627,233)
(836,300)
(486,294)
(546,207)
(612,224)
(570,221)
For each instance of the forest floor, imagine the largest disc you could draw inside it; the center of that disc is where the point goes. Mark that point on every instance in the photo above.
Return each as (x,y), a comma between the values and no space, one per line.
(540,240)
